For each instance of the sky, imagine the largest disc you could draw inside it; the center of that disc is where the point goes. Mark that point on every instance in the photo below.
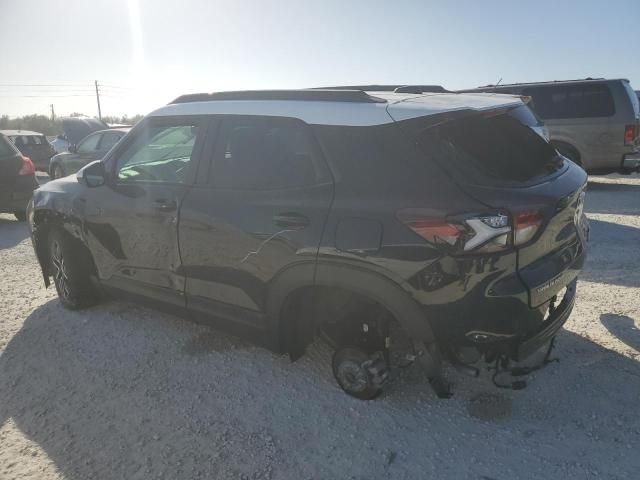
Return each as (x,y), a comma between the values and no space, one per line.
(144,53)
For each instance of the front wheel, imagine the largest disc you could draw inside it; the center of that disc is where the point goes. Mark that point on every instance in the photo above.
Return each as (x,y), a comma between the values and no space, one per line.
(71,271)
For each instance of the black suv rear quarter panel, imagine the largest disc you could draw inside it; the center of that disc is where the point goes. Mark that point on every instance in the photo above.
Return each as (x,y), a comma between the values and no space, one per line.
(378,172)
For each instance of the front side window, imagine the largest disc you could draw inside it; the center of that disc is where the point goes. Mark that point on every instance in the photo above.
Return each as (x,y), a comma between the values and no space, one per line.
(259,153)
(89,144)
(587,100)
(160,151)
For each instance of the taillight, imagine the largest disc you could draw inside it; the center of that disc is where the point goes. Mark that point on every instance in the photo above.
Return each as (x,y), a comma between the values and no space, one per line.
(462,233)
(435,231)
(629,135)
(27,167)
(526,225)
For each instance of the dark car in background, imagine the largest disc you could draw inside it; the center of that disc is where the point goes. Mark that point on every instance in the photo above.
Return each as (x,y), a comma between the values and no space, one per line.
(75,129)
(435,222)
(33,145)
(17,179)
(92,147)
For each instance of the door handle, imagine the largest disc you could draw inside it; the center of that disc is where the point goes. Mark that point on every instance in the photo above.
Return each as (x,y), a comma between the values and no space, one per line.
(291,220)
(165,205)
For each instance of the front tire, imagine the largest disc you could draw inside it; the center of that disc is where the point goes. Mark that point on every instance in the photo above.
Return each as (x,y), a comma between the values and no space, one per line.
(71,271)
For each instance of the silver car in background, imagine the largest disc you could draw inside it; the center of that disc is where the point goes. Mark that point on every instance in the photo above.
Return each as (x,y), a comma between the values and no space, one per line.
(594,122)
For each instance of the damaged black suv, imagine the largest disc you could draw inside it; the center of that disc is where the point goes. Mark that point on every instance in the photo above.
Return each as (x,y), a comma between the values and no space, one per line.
(433,221)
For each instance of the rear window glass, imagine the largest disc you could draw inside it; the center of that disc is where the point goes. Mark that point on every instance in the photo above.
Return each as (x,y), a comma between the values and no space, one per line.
(478,149)
(572,101)
(525,116)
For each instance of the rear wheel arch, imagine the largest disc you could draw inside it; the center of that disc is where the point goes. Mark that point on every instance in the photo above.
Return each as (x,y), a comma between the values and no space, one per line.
(568,150)
(290,299)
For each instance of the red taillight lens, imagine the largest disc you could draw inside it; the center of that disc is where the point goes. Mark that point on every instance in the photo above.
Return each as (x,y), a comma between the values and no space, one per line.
(526,225)
(462,233)
(27,167)
(629,135)
(435,231)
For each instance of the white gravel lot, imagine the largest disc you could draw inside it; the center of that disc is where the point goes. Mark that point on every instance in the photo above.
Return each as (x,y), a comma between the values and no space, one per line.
(122,392)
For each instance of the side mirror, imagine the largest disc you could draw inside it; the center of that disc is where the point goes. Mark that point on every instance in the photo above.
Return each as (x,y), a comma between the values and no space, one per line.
(93,174)
(73,149)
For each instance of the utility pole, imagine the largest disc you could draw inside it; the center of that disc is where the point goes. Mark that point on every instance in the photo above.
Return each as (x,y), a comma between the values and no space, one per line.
(53,114)
(98,100)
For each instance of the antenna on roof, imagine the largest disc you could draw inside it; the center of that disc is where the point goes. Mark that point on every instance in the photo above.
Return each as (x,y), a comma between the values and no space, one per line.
(499,82)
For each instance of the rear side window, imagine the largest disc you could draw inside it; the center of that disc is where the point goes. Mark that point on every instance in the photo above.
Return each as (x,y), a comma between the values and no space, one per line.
(259,153)
(89,144)
(572,101)
(35,140)
(109,139)
(500,148)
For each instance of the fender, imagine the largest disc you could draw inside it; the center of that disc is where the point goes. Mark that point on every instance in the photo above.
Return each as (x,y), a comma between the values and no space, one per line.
(351,277)
(50,209)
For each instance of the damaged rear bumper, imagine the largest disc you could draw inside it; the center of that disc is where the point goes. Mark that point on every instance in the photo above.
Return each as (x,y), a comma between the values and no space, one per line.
(557,318)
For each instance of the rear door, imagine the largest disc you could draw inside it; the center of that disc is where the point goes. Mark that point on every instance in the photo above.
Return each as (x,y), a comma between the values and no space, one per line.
(258,210)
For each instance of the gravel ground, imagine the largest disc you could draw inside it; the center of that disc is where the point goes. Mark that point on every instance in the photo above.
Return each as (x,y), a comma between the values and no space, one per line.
(122,392)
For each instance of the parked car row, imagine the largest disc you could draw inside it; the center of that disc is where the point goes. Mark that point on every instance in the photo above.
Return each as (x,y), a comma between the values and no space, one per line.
(78,140)
(90,148)
(418,226)
(17,179)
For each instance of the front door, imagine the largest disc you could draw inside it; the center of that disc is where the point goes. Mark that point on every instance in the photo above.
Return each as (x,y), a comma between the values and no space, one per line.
(132,221)
(259,210)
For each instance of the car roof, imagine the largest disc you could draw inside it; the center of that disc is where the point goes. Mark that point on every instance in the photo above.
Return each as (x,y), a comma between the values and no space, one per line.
(345,108)
(13,133)
(114,129)
(549,82)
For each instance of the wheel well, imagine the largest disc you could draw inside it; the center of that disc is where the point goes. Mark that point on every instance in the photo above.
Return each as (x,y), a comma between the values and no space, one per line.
(338,314)
(42,250)
(567,150)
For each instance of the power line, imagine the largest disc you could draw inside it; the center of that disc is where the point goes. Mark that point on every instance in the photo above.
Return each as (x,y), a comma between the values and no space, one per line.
(43,84)
(48,96)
